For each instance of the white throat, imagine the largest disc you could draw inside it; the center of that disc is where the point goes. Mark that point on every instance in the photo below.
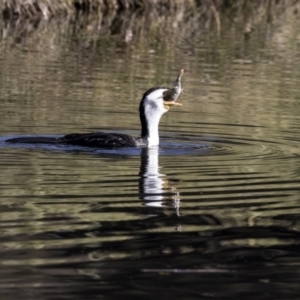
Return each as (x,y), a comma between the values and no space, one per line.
(152,109)
(153,116)
(153,122)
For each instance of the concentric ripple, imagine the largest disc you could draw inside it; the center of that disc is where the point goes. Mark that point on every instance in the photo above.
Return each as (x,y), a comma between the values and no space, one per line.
(231,147)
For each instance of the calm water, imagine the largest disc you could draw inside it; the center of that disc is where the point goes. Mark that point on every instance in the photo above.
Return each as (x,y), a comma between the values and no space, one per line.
(213,213)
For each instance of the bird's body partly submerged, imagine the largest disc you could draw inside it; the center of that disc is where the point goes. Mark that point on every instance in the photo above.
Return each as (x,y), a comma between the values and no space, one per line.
(155,102)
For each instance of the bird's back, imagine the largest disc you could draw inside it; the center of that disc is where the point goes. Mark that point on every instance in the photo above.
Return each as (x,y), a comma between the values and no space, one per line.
(99,139)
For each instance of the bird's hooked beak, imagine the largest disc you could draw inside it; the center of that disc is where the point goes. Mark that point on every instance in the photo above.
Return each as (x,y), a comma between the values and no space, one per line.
(168,104)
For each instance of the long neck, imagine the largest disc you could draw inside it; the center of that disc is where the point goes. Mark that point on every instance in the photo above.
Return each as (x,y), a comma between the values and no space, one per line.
(149,122)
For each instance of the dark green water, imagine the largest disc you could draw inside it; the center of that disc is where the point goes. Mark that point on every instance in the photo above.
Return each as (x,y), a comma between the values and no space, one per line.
(213,213)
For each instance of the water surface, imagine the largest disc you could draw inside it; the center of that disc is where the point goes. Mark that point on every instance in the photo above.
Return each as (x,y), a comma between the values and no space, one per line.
(212,213)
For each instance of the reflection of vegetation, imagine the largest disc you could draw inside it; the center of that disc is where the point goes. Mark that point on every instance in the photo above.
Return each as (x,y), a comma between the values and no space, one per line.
(48,8)
(115,16)
(159,25)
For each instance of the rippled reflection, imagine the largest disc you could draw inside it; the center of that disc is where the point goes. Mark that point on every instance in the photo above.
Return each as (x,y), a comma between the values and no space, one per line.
(153,183)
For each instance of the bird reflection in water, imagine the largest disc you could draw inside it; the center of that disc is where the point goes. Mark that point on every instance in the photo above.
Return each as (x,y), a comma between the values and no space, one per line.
(153,185)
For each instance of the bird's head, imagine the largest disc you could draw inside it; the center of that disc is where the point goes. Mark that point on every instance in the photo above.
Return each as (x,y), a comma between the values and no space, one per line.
(152,107)
(154,102)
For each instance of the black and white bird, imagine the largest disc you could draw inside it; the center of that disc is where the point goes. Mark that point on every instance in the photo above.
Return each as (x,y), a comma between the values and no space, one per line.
(155,102)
